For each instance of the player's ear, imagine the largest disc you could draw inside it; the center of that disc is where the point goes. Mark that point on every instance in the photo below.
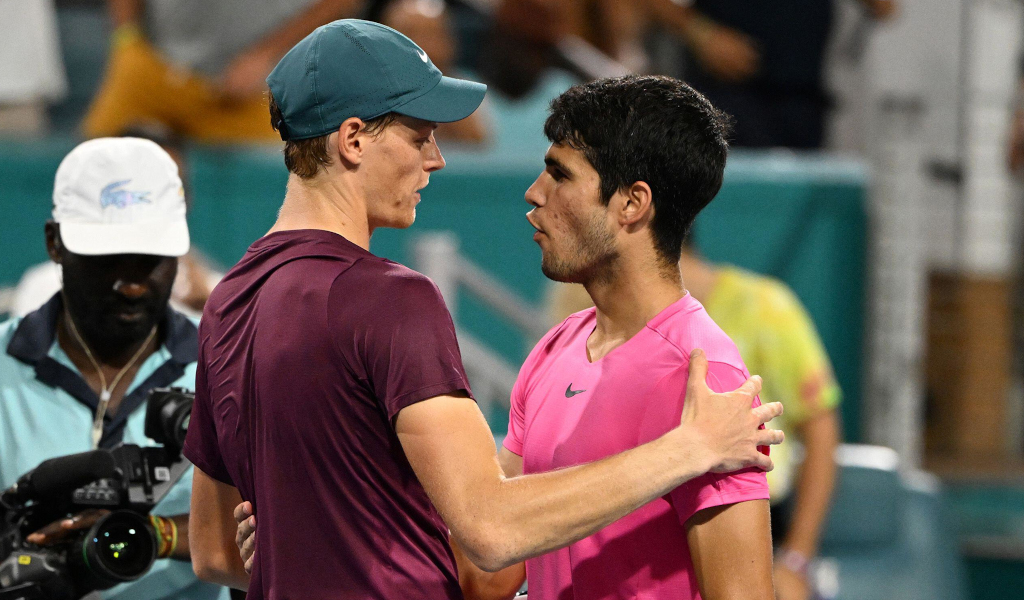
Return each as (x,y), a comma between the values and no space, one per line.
(637,204)
(351,141)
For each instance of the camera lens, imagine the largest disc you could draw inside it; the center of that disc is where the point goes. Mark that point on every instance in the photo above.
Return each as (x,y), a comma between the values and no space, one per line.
(123,549)
(118,548)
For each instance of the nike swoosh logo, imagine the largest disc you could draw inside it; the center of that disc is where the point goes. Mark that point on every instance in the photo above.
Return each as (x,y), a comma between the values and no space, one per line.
(423,55)
(569,392)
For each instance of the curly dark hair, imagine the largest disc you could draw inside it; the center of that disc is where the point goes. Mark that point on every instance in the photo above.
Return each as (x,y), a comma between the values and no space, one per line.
(653,129)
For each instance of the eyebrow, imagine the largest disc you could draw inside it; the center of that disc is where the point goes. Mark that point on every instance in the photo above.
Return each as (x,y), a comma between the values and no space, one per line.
(554,162)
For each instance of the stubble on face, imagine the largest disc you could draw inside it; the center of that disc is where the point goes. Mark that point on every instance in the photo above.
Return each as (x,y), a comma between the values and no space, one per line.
(584,253)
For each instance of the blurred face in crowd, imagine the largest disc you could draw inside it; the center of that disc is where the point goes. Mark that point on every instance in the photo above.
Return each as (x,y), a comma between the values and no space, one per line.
(397,164)
(115,299)
(575,230)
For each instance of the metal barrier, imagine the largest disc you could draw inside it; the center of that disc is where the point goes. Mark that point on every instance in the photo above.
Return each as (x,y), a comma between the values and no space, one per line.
(437,256)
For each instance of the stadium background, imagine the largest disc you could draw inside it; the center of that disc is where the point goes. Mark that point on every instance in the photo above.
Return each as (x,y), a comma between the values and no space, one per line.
(900,237)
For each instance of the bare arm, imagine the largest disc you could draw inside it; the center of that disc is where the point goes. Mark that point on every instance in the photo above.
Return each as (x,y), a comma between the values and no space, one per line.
(815,482)
(478,584)
(731,547)
(501,520)
(813,495)
(212,531)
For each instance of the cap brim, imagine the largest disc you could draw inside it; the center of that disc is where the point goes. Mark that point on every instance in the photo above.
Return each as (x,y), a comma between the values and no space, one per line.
(160,239)
(449,101)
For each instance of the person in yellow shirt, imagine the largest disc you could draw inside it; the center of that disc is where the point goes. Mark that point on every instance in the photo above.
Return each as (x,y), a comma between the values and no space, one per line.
(777,340)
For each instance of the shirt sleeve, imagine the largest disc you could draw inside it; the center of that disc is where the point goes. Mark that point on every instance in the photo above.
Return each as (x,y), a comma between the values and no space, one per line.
(405,343)
(711,489)
(516,418)
(720,489)
(201,446)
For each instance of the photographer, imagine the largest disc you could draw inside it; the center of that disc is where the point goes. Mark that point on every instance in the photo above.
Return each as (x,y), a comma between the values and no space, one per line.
(75,374)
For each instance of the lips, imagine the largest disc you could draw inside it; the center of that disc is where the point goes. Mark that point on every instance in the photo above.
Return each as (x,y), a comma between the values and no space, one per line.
(535,226)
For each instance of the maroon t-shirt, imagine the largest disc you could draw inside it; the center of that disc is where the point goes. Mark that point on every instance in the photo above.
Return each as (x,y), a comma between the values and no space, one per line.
(308,349)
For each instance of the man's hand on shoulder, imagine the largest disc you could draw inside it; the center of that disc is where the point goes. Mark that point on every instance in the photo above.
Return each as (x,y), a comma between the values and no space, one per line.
(724,430)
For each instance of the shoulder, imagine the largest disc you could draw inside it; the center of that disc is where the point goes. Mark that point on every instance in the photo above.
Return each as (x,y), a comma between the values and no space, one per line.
(689,327)
(386,294)
(390,282)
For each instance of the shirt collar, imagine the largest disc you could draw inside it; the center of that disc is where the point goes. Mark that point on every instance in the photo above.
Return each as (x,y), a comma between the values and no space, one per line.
(38,330)
(35,336)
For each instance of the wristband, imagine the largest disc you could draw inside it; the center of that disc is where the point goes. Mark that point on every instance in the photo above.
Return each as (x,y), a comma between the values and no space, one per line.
(174,537)
(166,535)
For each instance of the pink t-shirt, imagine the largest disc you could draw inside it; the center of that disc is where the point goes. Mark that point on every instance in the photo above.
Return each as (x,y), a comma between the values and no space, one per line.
(567,411)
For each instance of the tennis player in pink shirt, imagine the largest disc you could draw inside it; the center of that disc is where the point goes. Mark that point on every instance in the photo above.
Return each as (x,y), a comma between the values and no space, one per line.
(632,162)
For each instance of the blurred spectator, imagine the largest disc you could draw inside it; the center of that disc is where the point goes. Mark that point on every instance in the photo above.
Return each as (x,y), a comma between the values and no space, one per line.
(762,63)
(778,341)
(31,70)
(1016,155)
(590,38)
(198,66)
(427,23)
(192,284)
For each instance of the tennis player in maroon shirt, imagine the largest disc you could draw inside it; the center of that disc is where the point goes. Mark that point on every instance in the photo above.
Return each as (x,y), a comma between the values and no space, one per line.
(330,392)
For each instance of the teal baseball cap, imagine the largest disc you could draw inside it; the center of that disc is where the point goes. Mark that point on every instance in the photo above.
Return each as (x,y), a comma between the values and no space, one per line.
(353,68)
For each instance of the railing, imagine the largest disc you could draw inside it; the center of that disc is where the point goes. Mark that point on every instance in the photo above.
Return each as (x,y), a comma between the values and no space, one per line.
(437,256)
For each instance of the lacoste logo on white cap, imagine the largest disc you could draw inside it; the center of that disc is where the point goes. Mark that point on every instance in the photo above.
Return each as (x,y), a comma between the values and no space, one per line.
(113,194)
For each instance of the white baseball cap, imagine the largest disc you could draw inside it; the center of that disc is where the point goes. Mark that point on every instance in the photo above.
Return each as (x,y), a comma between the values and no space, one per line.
(120,196)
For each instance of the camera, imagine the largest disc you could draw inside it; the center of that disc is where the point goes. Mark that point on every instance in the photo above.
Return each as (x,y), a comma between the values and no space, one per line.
(128,480)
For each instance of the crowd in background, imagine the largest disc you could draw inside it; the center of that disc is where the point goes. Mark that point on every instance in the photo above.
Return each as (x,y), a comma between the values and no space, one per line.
(193,71)
(197,70)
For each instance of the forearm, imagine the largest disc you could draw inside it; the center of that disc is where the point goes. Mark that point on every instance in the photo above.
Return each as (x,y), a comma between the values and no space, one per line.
(530,515)
(814,485)
(124,12)
(283,38)
(217,561)
(211,533)
(477,584)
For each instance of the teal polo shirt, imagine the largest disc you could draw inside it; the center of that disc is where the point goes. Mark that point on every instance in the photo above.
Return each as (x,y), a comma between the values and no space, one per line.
(47,409)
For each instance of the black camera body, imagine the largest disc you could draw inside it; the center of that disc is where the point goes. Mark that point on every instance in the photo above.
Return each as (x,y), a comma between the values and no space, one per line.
(128,480)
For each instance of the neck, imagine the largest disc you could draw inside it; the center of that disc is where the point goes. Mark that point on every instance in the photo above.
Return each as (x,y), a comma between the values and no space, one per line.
(327,203)
(699,276)
(632,294)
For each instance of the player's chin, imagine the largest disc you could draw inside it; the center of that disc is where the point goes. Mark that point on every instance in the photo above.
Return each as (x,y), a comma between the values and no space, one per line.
(557,271)
(402,220)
